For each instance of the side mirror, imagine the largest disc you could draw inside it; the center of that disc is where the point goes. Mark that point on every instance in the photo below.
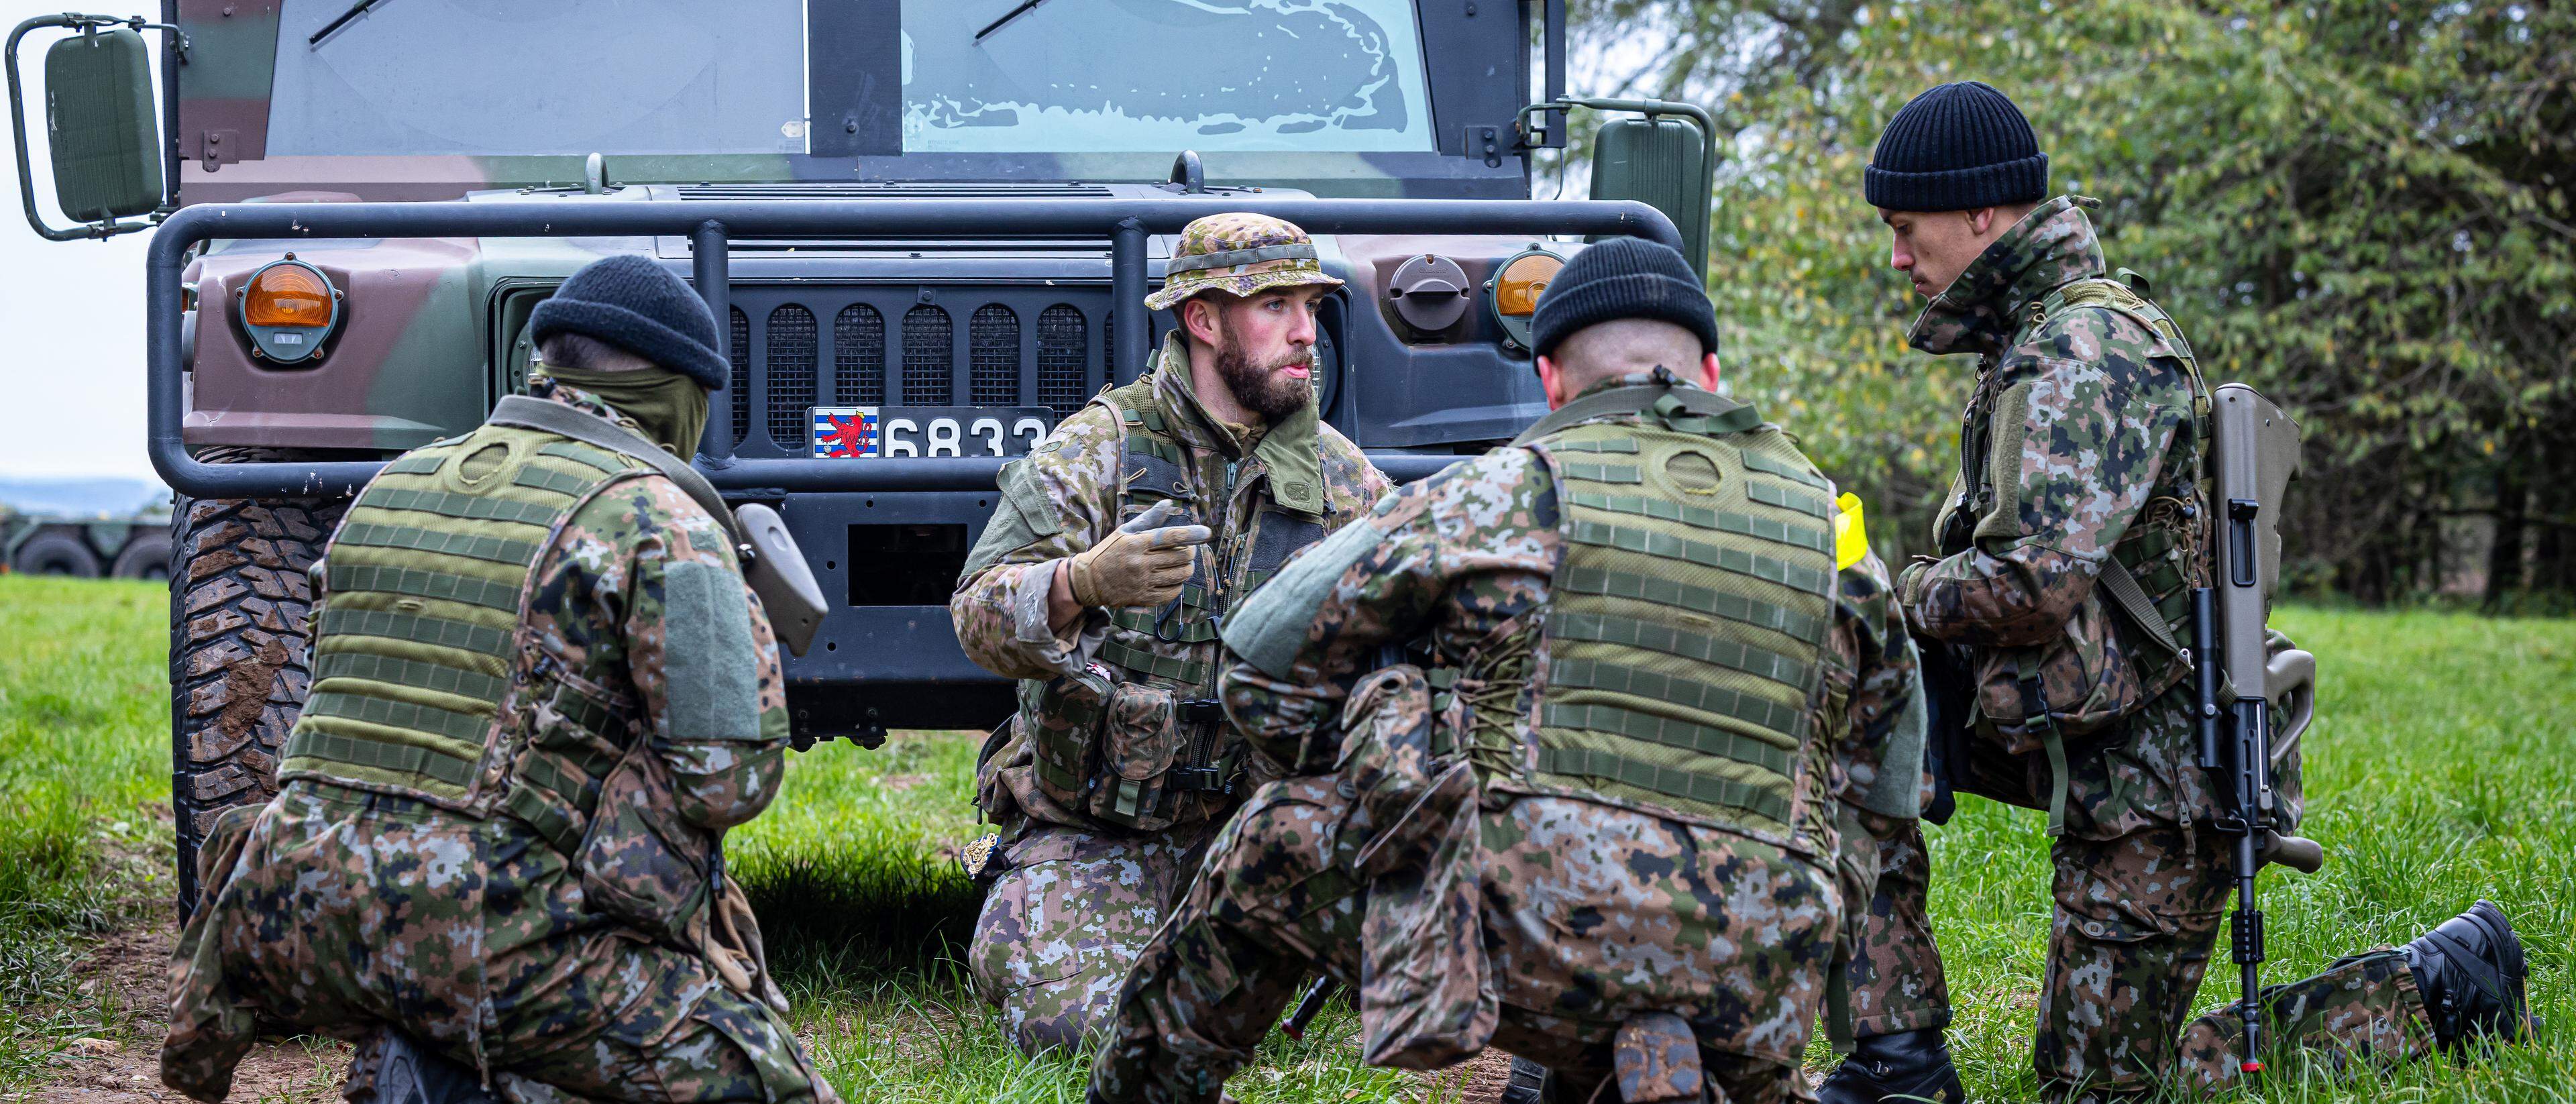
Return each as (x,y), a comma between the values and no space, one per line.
(1664,161)
(101,124)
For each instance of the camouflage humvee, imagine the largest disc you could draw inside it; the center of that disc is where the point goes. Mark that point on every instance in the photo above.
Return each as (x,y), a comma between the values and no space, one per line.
(928,224)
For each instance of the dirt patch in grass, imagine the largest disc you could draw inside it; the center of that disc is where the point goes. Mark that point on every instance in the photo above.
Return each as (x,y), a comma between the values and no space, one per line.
(129,970)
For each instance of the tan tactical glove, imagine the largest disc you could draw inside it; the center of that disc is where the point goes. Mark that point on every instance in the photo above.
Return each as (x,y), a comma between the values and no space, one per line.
(1143,564)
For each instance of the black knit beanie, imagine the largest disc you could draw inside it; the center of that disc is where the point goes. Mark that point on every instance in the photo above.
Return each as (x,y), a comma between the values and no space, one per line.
(1957,147)
(636,305)
(1620,278)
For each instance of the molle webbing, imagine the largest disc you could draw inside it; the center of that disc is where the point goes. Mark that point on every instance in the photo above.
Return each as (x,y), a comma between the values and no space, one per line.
(1686,620)
(414,643)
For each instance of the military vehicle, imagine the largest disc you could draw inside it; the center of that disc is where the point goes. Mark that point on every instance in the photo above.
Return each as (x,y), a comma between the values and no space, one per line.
(120,546)
(928,225)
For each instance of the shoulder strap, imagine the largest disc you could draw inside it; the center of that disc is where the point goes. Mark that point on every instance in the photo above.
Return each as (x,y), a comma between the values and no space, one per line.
(534,413)
(2117,581)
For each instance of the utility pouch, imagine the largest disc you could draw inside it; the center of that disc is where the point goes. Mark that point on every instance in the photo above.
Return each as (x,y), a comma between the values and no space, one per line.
(1063,724)
(1140,736)
(1408,786)
(639,862)
(2084,683)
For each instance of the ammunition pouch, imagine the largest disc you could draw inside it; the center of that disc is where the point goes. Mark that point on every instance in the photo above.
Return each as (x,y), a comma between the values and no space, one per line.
(2076,684)
(1113,750)
(640,863)
(1427,996)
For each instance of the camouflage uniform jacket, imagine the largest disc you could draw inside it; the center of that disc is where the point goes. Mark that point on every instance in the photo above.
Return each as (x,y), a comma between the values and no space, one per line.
(2078,445)
(1463,562)
(499,925)
(1072,492)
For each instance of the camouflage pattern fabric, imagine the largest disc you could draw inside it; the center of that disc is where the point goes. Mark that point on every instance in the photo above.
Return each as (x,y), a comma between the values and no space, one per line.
(1239,253)
(1729,931)
(331,910)
(1067,917)
(2099,454)
(1042,949)
(2076,426)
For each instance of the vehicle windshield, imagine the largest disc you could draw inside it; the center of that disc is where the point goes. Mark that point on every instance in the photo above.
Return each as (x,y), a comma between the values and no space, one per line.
(667,77)
(1110,76)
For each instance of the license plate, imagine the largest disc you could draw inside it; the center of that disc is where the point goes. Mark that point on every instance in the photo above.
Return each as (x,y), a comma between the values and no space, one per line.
(852,432)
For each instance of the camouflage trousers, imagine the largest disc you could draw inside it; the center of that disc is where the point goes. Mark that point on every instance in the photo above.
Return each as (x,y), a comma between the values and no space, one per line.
(333,912)
(1067,917)
(2140,895)
(1592,915)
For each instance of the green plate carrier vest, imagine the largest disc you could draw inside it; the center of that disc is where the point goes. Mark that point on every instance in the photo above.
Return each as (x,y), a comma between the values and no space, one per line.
(1686,622)
(1068,752)
(418,637)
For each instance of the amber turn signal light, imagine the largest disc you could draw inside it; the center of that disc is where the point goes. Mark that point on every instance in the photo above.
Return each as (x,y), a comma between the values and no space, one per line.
(1514,290)
(288,308)
(287,295)
(1522,280)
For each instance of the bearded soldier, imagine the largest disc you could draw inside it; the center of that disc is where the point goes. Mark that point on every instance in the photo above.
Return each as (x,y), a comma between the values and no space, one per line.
(542,692)
(1671,717)
(2080,471)
(1120,544)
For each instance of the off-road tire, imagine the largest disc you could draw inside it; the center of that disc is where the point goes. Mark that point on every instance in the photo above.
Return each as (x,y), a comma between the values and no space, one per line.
(146,556)
(56,552)
(240,631)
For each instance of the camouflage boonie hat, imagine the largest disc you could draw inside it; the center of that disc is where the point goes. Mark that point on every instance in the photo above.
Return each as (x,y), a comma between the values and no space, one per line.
(1239,253)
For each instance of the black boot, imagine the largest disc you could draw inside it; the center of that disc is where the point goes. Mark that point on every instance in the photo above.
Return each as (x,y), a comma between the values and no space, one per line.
(1914,1065)
(1528,1084)
(2470,971)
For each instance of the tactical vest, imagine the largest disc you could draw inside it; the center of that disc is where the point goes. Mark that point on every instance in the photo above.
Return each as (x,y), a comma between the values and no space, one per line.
(2154,567)
(1087,747)
(417,637)
(1685,625)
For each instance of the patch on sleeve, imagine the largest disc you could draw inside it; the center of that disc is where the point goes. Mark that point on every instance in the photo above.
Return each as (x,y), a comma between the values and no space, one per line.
(1269,628)
(1900,766)
(710,667)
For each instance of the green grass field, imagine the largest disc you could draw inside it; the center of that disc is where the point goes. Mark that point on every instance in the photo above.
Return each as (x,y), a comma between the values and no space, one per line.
(2442,769)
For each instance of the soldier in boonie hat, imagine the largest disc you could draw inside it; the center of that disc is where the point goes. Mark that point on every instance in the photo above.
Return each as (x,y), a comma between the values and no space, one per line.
(1239,253)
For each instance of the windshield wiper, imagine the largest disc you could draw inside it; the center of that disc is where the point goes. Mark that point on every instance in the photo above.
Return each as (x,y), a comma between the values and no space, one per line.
(989,28)
(359,9)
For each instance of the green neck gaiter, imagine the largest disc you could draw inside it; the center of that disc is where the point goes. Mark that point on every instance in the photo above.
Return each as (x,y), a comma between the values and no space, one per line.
(669,407)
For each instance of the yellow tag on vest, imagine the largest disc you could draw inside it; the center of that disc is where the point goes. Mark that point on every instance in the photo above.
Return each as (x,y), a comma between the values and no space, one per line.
(1851,538)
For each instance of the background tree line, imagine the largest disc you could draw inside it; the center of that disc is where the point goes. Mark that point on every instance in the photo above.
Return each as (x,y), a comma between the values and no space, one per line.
(2361,208)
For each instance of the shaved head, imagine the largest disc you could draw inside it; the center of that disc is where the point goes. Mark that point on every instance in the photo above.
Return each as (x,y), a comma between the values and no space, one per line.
(1617,348)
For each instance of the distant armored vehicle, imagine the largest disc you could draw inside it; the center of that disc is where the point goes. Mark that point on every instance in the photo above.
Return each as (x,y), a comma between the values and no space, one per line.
(929,225)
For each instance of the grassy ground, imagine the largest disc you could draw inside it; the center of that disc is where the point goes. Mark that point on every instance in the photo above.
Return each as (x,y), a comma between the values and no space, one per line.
(2442,769)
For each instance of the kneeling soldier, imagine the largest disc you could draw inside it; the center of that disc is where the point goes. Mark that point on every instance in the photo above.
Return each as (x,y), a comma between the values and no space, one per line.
(541,693)
(1120,543)
(1674,713)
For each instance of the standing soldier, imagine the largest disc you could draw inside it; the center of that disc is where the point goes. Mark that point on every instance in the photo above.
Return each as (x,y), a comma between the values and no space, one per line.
(2080,459)
(1120,544)
(542,692)
(1674,715)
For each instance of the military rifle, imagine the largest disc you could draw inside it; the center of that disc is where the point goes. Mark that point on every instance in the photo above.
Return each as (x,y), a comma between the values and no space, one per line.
(2255,453)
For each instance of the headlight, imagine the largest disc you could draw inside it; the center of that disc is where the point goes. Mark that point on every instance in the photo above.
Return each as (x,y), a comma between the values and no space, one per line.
(289,308)
(1516,286)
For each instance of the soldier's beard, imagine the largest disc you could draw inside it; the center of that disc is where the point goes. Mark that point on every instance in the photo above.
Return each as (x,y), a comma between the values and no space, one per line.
(1263,388)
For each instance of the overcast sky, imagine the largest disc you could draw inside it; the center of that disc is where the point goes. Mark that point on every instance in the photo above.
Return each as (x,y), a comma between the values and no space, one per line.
(71,315)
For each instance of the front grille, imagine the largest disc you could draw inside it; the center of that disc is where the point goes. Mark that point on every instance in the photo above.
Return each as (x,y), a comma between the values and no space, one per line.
(858,356)
(791,375)
(738,348)
(1062,335)
(929,345)
(993,356)
(796,346)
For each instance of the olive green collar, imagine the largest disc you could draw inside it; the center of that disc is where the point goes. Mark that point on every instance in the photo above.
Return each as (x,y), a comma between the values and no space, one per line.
(1287,450)
(1681,406)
